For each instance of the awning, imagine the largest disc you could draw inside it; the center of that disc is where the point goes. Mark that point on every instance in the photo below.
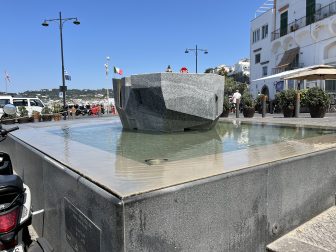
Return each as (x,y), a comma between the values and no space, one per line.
(289,57)
(321,72)
(281,75)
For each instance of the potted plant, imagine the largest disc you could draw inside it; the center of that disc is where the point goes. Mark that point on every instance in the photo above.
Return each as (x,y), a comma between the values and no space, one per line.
(317,101)
(46,114)
(36,116)
(226,106)
(8,119)
(56,112)
(248,104)
(286,101)
(23,113)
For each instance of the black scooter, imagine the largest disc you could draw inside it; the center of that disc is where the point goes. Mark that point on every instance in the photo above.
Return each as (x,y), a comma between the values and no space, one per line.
(15,205)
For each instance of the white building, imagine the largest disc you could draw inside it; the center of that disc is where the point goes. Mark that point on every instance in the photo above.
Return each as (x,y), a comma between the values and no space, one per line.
(242,66)
(291,34)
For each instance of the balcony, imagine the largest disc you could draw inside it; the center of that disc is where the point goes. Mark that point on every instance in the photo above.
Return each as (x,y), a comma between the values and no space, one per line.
(321,13)
(287,68)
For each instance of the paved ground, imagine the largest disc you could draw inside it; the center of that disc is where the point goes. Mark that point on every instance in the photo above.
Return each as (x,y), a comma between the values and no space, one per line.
(304,119)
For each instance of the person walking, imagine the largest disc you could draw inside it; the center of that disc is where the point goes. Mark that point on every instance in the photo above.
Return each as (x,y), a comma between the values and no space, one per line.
(236,96)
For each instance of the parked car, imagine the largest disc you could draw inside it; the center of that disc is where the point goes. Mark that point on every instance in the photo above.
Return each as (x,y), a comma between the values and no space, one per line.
(31,104)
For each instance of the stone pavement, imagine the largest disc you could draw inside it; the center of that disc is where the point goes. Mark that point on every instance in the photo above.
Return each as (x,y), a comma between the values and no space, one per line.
(316,235)
(304,119)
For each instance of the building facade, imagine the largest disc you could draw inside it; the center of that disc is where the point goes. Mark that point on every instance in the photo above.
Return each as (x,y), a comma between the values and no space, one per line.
(291,35)
(241,67)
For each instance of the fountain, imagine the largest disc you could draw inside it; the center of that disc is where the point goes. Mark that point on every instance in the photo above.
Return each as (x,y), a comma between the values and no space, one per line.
(169,102)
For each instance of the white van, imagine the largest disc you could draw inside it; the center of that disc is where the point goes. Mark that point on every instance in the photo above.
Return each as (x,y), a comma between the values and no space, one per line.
(31,104)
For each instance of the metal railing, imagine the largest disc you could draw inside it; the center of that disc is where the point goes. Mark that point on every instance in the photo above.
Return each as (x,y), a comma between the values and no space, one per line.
(320,14)
(286,68)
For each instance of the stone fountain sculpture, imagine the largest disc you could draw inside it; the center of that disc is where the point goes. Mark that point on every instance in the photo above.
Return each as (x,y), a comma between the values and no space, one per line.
(169,102)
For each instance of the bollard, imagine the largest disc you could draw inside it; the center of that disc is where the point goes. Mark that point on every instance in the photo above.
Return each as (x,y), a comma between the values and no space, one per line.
(237,108)
(297,105)
(263,99)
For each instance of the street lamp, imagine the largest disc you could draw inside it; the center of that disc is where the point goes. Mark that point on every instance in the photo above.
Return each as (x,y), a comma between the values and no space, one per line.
(61,21)
(196,52)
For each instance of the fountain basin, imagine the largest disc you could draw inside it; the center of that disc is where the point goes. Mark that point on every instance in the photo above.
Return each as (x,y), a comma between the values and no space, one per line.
(223,189)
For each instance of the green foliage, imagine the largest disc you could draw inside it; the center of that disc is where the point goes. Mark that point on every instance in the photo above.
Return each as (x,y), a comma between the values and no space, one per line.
(222,71)
(315,97)
(56,108)
(247,100)
(23,111)
(209,70)
(240,77)
(286,98)
(226,103)
(231,86)
(45,111)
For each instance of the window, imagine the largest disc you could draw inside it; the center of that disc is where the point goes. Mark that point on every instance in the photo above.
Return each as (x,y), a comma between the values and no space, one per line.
(330,86)
(257,58)
(310,11)
(3,102)
(283,23)
(256,36)
(36,103)
(264,31)
(20,102)
(264,71)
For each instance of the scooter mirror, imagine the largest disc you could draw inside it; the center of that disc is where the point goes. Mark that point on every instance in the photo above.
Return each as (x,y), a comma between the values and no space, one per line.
(9,109)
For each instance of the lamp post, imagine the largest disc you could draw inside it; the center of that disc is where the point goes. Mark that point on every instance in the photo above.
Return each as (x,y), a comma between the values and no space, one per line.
(196,50)
(61,21)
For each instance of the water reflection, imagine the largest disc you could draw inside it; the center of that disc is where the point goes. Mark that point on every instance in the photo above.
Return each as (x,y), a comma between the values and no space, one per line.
(224,137)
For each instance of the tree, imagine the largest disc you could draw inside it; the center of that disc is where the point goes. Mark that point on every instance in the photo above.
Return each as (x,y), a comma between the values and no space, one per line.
(209,70)
(231,86)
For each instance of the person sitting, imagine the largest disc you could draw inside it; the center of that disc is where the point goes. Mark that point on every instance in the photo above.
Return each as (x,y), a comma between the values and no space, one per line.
(169,70)
(184,70)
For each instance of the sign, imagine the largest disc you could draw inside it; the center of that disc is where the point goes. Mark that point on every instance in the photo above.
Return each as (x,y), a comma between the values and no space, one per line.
(81,233)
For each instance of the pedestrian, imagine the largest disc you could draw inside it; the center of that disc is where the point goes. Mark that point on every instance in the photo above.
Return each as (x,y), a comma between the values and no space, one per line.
(169,70)
(236,96)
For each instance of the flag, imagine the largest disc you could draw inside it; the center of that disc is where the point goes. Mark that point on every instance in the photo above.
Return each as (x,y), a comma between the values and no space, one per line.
(118,70)
(67,76)
(7,77)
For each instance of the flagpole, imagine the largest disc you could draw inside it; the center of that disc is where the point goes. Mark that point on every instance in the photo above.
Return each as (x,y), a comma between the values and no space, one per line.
(6,80)
(107,91)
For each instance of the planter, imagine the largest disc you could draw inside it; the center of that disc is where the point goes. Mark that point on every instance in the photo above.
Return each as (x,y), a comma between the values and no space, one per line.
(25,119)
(57,117)
(47,117)
(225,113)
(248,112)
(317,112)
(37,117)
(288,111)
(8,121)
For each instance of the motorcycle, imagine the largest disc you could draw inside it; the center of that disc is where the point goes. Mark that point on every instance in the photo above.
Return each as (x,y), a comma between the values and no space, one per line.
(15,205)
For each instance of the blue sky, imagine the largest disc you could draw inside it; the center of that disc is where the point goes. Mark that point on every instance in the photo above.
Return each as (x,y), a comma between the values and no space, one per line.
(138,36)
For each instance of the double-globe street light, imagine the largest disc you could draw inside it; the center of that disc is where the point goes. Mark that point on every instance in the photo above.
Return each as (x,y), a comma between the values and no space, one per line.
(196,50)
(61,21)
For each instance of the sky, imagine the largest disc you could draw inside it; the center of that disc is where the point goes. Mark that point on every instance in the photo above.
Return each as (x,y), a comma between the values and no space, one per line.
(139,37)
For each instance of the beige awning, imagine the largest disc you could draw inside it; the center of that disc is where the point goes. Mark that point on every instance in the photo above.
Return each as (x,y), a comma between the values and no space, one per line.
(289,57)
(321,72)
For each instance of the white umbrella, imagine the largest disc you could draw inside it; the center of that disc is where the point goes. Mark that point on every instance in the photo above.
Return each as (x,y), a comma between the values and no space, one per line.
(320,72)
